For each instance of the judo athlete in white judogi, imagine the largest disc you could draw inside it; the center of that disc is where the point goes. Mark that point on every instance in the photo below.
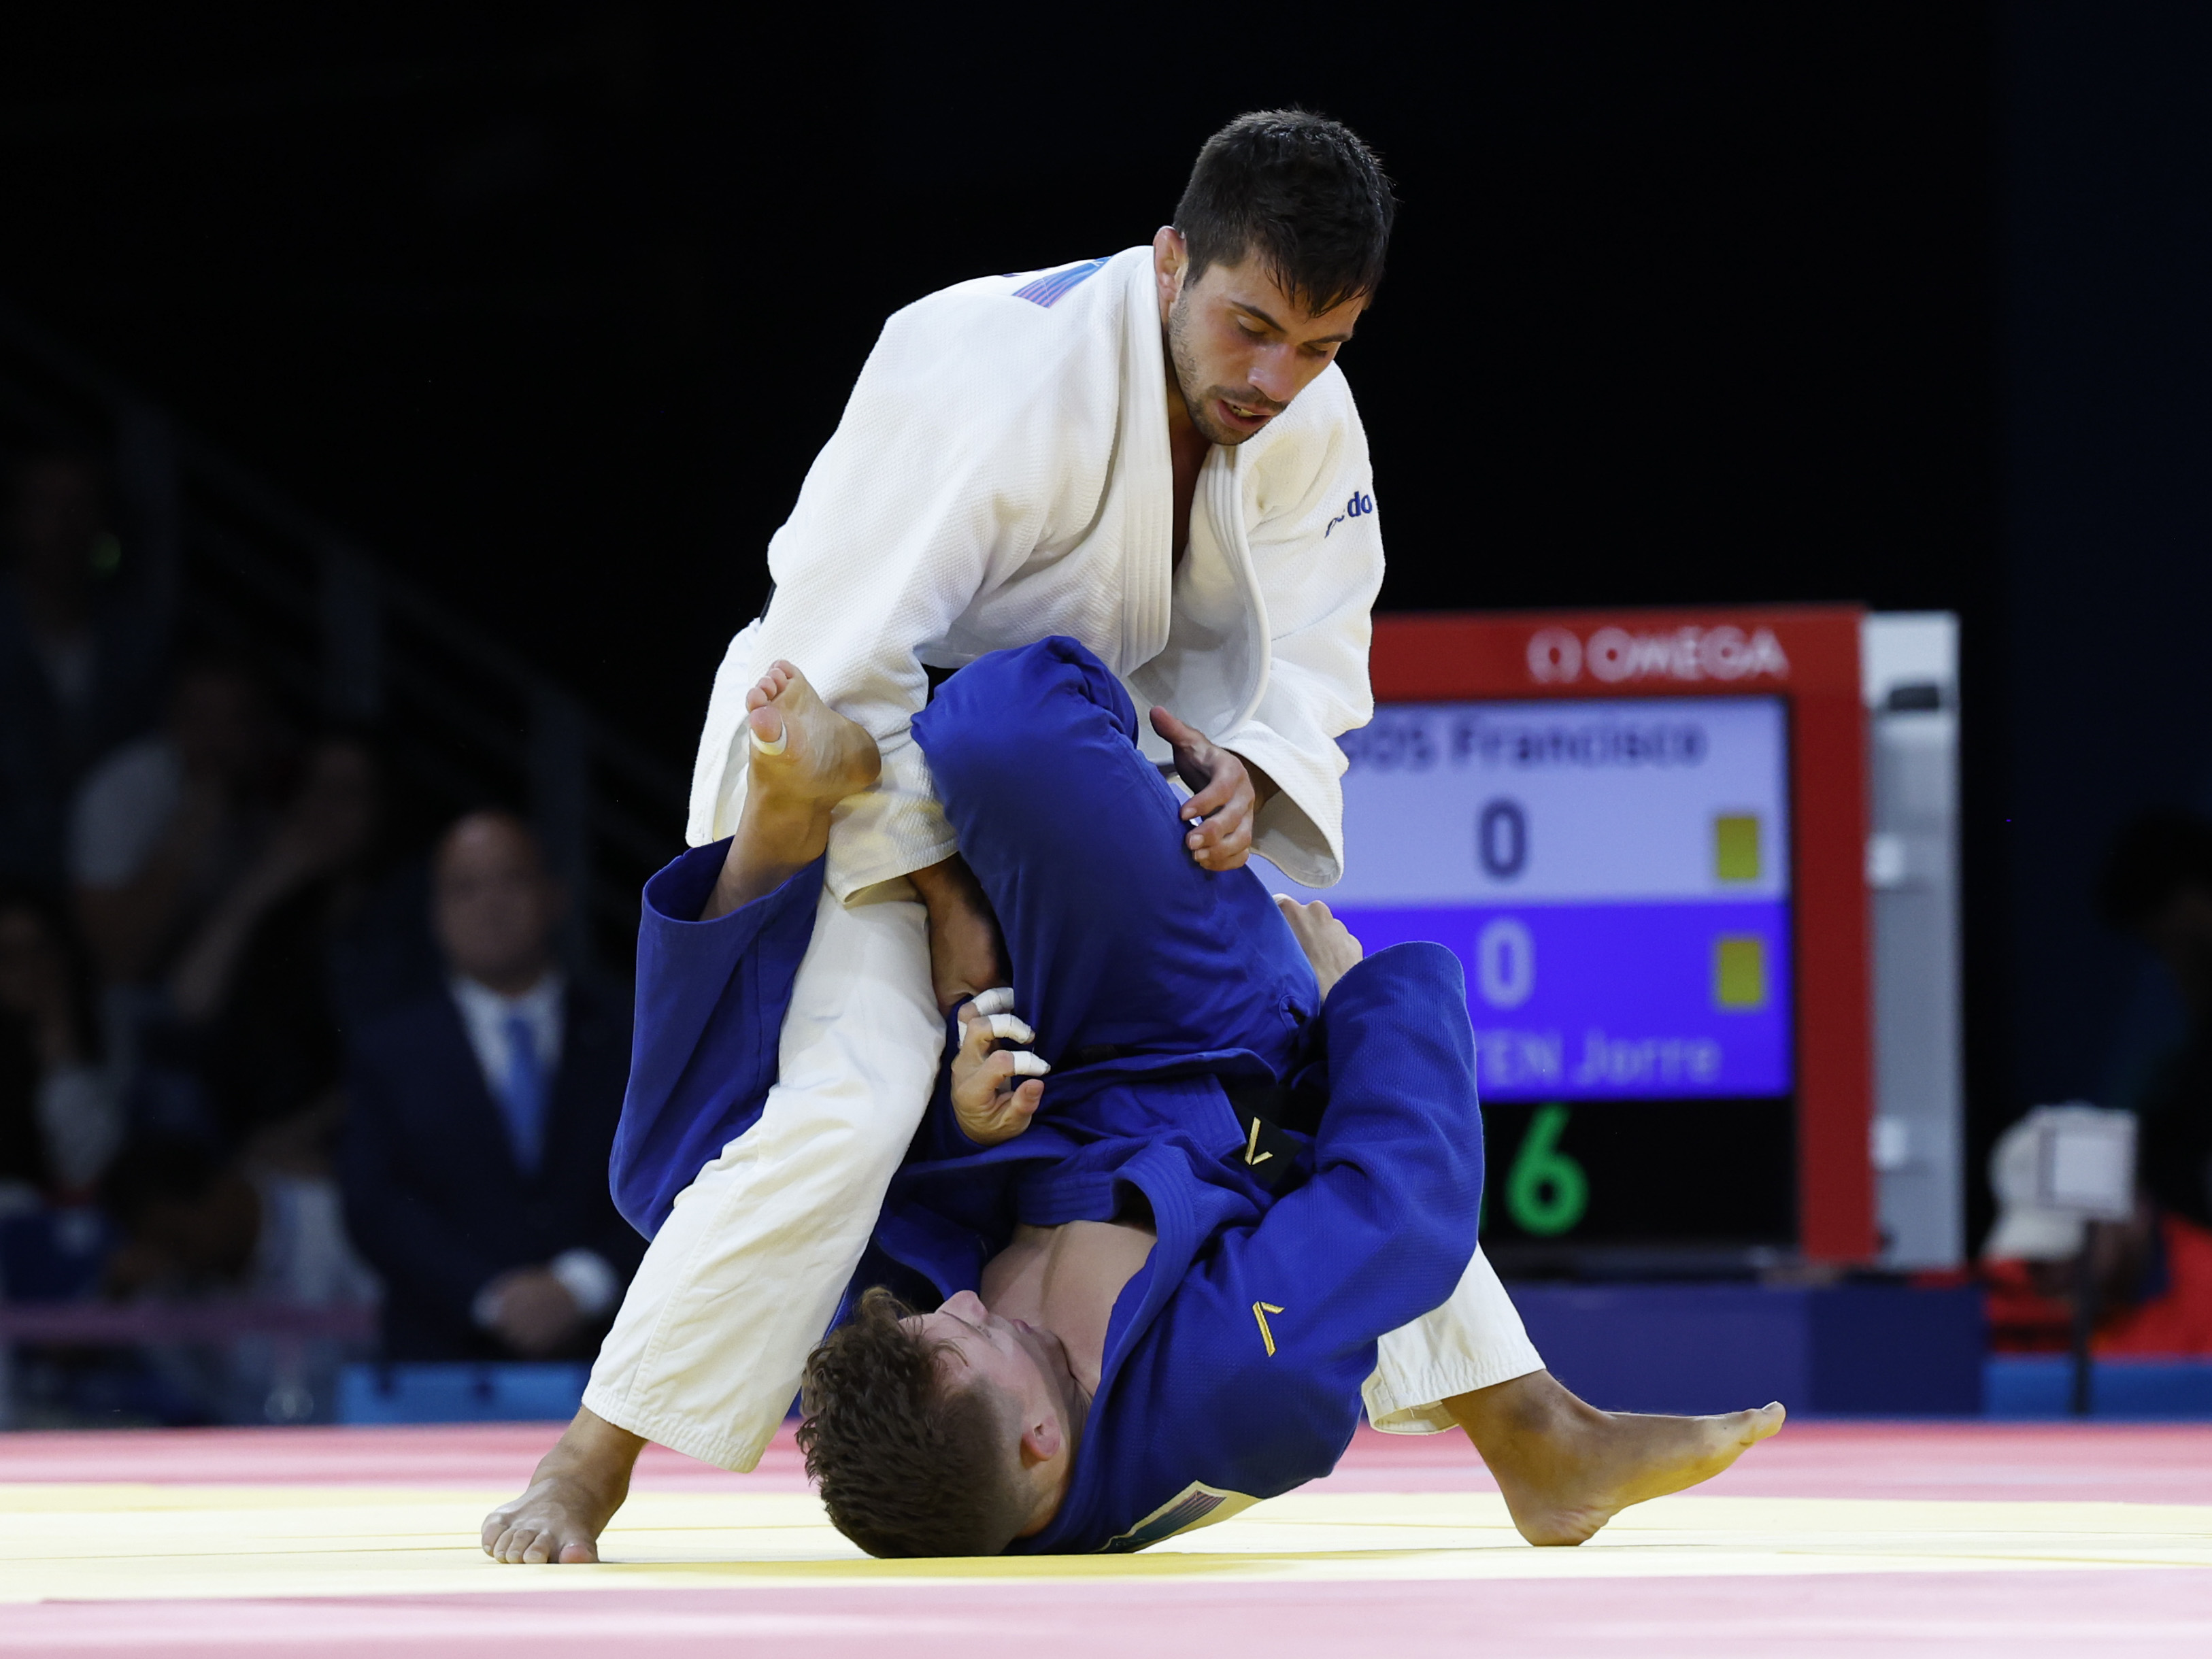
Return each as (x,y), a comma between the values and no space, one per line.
(1155,453)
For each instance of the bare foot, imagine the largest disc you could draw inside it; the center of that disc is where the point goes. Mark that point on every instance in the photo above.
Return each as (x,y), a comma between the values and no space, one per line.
(578,1487)
(1566,1468)
(802,749)
(804,759)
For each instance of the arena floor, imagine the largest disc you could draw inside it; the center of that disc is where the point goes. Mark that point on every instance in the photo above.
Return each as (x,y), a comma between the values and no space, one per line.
(1833,1539)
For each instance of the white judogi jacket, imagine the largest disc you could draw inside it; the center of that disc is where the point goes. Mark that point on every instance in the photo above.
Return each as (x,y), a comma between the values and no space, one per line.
(1001,473)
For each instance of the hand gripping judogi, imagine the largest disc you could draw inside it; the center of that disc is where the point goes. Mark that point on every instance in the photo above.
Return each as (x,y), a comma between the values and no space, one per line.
(1001,473)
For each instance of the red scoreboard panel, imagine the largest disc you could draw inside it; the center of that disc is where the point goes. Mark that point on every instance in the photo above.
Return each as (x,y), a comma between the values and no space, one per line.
(1644,832)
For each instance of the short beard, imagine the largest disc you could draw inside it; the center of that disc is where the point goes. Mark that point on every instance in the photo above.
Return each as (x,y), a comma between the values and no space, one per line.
(1197,399)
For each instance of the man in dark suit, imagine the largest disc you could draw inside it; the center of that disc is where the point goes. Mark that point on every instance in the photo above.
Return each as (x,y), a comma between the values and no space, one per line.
(475,1160)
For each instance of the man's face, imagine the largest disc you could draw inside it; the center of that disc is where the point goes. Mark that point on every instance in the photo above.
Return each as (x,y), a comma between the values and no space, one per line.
(1241,348)
(496,905)
(1026,1370)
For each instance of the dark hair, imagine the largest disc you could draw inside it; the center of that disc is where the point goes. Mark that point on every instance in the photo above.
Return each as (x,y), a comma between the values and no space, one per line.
(1301,190)
(495,812)
(2155,857)
(908,1464)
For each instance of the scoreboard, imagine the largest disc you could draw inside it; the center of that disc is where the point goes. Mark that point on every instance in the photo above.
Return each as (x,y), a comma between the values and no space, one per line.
(1643,834)
(1615,876)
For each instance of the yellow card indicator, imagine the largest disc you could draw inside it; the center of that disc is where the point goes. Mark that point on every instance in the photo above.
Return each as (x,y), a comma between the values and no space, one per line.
(1735,846)
(1740,971)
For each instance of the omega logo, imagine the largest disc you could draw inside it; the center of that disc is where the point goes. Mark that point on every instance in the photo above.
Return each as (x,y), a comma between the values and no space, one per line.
(1613,655)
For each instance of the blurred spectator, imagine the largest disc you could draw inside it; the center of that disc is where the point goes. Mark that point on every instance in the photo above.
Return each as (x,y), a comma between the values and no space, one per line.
(316,933)
(80,657)
(165,824)
(2154,1274)
(226,1191)
(475,1156)
(59,1117)
(196,1226)
(2158,886)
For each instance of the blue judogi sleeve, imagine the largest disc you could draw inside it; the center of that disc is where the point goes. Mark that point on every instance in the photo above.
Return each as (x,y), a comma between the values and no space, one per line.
(711,998)
(1118,942)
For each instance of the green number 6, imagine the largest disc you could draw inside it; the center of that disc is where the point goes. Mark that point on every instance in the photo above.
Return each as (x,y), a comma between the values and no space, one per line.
(1546,1191)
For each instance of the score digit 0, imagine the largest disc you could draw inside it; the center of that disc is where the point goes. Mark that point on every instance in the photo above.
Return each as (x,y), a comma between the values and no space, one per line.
(1501,839)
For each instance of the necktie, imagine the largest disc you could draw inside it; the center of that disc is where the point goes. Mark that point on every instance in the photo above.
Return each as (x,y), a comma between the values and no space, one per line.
(522,1099)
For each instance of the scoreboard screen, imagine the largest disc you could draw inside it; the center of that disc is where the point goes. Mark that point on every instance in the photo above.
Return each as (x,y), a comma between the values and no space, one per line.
(1643,834)
(1615,876)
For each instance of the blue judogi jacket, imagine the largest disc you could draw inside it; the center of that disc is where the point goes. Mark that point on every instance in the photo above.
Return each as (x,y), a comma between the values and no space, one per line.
(1234,1357)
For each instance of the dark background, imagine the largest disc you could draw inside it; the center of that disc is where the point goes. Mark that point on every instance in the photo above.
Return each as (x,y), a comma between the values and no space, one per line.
(1902,304)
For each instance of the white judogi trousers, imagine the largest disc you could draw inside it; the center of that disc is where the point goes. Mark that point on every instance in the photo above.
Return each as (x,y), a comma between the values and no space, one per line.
(743,1277)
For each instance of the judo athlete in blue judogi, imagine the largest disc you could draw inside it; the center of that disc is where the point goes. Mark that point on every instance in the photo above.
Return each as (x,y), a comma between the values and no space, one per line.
(1211,1252)
(1233,1363)
(1234,1371)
